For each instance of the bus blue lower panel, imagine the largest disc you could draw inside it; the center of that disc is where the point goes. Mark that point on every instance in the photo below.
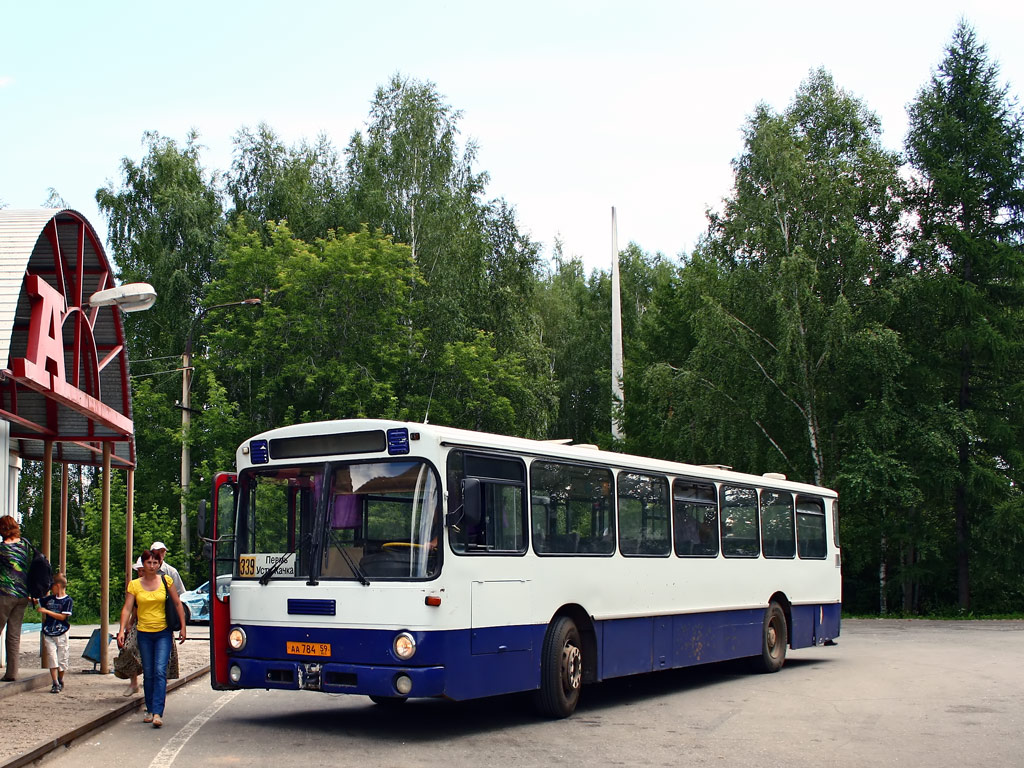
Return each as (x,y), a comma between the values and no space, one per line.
(472,663)
(649,644)
(813,625)
(338,678)
(361,661)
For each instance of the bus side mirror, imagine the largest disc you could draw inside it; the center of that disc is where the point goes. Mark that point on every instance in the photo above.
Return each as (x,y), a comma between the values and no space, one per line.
(471,501)
(201,530)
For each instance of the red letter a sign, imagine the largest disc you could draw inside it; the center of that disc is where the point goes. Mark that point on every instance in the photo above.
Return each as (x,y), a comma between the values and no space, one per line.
(45,353)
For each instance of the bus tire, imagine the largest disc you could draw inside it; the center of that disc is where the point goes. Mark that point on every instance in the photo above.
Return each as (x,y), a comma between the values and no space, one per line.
(561,670)
(774,637)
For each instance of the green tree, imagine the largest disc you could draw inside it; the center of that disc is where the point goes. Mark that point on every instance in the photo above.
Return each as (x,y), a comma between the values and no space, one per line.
(966,146)
(771,347)
(789,280)
(574,311)
(163,224)
(575,317)
(332,337)
(409,178)
(302,185)
(84,551)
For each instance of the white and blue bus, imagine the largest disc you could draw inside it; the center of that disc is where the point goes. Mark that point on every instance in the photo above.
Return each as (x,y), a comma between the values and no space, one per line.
(401,560)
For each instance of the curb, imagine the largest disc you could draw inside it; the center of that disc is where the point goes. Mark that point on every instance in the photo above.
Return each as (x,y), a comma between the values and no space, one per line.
(106,717)
(22,684)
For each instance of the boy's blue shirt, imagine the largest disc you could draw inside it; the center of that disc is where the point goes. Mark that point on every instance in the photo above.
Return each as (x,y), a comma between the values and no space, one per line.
(53,627)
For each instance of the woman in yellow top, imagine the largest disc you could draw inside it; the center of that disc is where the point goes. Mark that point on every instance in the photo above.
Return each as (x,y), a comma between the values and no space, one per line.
(149,592)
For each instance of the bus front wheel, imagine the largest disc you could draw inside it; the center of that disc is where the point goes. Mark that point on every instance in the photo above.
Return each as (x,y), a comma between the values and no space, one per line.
(561,672)
(774,637)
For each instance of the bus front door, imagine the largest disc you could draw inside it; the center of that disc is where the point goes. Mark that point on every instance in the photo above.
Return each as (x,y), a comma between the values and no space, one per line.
(221,539)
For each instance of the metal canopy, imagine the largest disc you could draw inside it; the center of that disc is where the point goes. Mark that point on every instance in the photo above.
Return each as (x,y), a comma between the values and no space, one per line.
(51,262)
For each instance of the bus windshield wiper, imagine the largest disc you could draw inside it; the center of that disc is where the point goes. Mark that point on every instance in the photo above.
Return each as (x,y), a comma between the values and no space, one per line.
(266,577)
(352,565)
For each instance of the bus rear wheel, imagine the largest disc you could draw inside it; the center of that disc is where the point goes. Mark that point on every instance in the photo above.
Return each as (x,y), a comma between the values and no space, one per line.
(774,637)
(561,671)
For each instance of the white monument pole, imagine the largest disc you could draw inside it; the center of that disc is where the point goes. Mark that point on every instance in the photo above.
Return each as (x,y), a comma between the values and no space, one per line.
(617,396)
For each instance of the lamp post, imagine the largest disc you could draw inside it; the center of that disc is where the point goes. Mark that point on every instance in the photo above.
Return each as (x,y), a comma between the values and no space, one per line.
(186,419)
(128,297)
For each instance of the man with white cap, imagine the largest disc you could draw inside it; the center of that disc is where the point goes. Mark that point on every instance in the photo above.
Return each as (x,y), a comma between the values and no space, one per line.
(159,549)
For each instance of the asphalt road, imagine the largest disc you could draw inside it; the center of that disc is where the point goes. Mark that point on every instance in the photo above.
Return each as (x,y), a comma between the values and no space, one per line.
(892,693)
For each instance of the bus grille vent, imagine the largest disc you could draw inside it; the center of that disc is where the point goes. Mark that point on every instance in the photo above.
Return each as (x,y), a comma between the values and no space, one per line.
(305,607)
(345,679)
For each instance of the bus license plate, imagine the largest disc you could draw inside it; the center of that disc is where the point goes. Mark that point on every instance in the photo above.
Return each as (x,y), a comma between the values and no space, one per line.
(309,649)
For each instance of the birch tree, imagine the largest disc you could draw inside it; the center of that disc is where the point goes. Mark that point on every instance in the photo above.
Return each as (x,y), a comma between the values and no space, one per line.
(786,286)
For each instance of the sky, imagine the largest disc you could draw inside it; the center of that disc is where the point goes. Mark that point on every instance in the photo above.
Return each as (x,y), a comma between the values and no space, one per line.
(576,107)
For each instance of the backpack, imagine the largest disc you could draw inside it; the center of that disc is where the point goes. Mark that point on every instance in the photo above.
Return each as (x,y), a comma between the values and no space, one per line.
(40,574)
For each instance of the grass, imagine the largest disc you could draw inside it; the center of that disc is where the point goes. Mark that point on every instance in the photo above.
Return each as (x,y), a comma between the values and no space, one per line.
(949,614)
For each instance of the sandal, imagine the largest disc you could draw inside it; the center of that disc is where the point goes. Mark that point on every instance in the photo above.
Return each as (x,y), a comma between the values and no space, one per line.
(148,718)
(157,721)
(132,690)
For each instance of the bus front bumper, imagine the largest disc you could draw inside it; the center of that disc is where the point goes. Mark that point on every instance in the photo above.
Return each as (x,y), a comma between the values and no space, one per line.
(333,677)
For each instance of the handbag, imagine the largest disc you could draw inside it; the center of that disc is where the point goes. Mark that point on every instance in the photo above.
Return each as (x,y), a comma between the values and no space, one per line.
(129,662)
(173,622)
(40,575)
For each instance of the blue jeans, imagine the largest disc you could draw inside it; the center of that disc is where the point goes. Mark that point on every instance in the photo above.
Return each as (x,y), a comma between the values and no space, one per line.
(155,650)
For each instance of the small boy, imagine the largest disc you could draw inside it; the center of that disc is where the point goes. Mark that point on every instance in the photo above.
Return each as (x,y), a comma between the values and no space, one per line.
(56,608)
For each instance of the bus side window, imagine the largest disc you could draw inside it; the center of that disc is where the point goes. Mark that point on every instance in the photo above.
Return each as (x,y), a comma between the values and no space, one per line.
(777,536)
(695,513)
(810,528)
(501,527)
(576,514)
(739,522)
(643,515)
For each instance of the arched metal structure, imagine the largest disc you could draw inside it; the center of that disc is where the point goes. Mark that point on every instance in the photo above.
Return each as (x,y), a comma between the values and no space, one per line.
(64,387)
(65,368)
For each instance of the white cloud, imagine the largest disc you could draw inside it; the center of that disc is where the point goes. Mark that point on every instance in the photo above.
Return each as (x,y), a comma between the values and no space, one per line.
(5,80)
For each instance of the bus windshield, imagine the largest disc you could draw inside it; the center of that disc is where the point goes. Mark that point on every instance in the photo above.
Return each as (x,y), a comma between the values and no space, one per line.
(371,520)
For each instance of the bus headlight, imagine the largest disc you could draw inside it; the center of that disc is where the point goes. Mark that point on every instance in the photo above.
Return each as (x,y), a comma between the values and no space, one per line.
(235,673)
(404,646)
(236,638)
(403,684)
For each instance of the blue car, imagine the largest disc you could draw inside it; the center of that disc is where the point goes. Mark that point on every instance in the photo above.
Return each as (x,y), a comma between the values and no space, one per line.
(196,602)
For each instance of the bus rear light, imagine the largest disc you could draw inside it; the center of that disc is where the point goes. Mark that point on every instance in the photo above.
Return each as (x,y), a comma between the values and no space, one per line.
(236,638)
(434,600)
(404,646)
(403,684)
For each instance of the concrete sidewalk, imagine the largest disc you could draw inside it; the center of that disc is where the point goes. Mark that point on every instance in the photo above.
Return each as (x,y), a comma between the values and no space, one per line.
(34,721)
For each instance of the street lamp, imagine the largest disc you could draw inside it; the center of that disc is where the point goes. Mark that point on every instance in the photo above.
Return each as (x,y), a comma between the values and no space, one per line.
(186,417)
(130,297)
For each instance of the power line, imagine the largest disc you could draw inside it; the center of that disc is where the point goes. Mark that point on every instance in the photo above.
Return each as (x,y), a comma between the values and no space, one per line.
(154,359)
(157,373)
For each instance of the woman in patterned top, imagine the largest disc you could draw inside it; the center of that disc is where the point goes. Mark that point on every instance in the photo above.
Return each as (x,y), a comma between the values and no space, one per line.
(15,556)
